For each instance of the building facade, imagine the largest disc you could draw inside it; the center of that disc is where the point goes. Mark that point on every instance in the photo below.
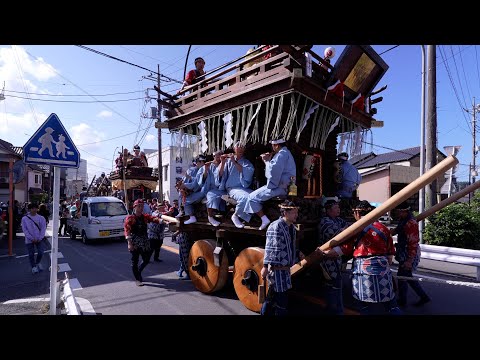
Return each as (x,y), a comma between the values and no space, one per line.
(76,179)
(384,175)
(175,162)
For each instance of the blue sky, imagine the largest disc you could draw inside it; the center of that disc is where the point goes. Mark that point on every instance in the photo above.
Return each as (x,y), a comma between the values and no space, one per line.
(69,70)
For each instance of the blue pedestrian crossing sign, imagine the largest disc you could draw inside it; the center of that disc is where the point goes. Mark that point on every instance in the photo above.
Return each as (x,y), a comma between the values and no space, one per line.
(51,145)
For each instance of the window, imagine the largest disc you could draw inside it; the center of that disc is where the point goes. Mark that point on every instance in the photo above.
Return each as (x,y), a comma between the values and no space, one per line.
(108,209)
(84,210)
(165,173)
(38,179)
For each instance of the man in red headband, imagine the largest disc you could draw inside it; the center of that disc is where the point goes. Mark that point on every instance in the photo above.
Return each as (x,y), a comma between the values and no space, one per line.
(135,227)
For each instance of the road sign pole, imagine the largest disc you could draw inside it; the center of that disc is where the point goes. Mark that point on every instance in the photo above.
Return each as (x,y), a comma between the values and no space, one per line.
(39,149)
(11,228)
(54,253)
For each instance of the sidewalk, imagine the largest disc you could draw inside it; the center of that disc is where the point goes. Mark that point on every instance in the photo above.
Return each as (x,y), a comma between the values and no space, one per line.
(17,281)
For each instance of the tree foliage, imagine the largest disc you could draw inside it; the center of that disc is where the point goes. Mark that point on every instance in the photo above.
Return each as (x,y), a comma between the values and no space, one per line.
(457,225)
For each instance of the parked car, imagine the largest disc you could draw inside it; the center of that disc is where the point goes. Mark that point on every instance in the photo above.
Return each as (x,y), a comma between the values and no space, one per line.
(100,217)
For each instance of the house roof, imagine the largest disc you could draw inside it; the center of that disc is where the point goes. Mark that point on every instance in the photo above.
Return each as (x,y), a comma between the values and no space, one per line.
(391,157)
(5,145)
(375,170)
(360,159)
(34,190)
(35,167)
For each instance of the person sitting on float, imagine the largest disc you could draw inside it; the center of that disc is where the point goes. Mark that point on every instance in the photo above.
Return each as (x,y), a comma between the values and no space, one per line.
(280,168)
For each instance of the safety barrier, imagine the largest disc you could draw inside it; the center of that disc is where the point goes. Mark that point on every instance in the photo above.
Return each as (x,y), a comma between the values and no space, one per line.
(452,255)
(69,301)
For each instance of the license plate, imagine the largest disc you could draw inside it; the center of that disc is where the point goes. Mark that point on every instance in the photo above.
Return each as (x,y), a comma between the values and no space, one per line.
(104,233)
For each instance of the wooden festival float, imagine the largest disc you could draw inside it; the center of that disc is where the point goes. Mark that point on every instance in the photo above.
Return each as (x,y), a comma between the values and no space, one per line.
(284,91)
(133,177)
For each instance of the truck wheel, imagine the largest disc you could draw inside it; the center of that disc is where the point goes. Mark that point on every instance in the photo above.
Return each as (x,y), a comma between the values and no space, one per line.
(85,239)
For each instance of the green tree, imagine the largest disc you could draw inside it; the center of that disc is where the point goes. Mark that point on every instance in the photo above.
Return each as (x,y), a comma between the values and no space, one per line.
(457,225)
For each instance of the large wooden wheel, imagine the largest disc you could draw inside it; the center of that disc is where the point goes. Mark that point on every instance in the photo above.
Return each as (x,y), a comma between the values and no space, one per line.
(207,277)
(246,278)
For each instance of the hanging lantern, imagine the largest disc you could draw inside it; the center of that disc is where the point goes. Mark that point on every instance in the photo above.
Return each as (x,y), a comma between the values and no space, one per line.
(308,166)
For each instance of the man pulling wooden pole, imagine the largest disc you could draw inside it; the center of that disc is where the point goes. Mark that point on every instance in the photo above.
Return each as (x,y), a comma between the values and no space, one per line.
(388,205)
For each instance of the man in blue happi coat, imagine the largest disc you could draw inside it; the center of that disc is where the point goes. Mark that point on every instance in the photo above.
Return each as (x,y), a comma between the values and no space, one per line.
(208,182)
(280,255)
(349,176)
(279,170)
(195,190)
(182,191)
(234,176)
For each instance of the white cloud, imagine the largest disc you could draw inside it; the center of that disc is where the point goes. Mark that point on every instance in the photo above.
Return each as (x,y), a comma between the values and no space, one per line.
(18,70)
(17,126)
(104,114)
(150,138)
(85,134)
(96,162)
(15,60)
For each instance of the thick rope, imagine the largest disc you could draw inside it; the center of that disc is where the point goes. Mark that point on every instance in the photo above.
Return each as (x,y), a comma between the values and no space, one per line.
(238,120)
(277,128)
(219,131)
(290,117)
(268,111)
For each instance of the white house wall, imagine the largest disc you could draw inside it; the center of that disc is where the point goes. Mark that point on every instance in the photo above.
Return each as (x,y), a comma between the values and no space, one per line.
(169,159)
(375,187)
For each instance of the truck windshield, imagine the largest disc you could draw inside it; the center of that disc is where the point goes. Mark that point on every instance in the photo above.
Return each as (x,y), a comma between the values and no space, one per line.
(108,209)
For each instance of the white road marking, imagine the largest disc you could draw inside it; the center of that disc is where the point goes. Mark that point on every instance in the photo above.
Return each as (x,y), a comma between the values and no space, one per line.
(21,301)
(64,267)
(22,256)
(75,284)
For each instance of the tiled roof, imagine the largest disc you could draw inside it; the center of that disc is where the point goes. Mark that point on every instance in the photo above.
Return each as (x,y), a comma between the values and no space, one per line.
(9,148)
(35,167)
(360,159)
(391,157)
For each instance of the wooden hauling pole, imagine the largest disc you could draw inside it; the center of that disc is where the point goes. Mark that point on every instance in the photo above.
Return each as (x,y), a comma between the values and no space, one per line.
(469,189)
(372,216)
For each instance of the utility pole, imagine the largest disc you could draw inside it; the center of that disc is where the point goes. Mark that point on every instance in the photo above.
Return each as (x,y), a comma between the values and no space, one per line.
(421,194)
(431,124)
(474,152)
(159,116)
(473,168)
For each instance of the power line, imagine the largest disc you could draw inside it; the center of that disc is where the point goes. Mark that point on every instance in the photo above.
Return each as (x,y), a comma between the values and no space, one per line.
(464,75)
(385,147)
(78,87)
(76,101)
(393,47)
(98,166)
(40,94)
(458,76)
(24,84)
(148,56)
(127,62)
(96,155)
(114,138)
(454,88)
(465,48)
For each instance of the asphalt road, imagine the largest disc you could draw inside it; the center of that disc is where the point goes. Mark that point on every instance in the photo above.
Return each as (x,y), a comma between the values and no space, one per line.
(101,278)
(104,274)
